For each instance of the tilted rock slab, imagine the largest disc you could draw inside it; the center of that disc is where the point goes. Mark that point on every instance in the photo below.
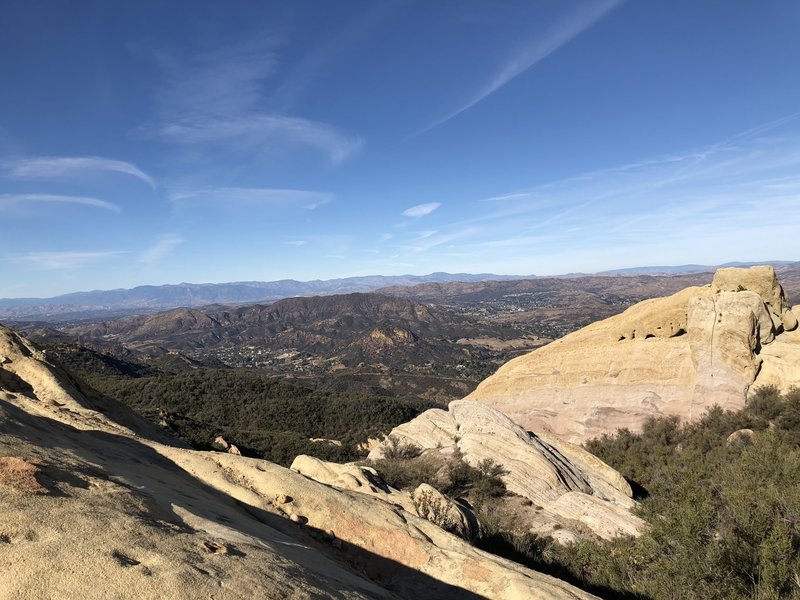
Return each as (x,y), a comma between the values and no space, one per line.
(425,501)
(678,355)
(572,491)
(121,515)
(351,477)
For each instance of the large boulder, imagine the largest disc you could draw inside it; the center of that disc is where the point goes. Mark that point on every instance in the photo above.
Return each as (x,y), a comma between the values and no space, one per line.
(450,515)
(677,355)
(541,469)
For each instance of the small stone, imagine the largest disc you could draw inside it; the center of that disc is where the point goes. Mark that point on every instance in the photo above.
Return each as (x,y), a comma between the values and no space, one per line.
(213,547)
(283,499)
(234,450)
(337,544)
(740,435)
(220,444)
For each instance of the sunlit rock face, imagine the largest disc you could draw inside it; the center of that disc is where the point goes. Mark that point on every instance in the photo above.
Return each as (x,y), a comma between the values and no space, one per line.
(97,503)
(668,356)
(570,492)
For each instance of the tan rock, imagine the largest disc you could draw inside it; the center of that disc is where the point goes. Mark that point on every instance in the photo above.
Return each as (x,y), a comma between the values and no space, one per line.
(763,282)
(451,516)
(159,516)
(356,478)
(234,450)
(325,441)
(606,520)
(780,363)
(740,434)
(369,445)
(425,501)
(539,468)
(220,444)
(666,356)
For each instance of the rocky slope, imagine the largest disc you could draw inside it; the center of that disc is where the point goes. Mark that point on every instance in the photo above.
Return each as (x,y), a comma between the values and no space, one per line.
(95,506)
(678,355)
(570,493)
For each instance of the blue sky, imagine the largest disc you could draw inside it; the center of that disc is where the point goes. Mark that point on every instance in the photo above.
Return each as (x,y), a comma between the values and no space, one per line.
(158,142)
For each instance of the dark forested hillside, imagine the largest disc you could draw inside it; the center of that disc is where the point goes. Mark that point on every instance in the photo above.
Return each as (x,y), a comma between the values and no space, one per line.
(264,416)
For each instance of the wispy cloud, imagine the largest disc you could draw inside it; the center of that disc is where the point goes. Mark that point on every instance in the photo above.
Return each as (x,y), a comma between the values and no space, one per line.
(424,244)
(296,242)
(256,132)
(58,199)
(60,167)
(560,33)
(218,98)
(225,81)
(65,260)
(421,210)
(505,197)
(237,197)
(688,206)
(161,248)
(317,203)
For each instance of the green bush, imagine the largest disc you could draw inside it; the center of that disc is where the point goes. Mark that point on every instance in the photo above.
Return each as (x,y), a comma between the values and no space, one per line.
(724,518)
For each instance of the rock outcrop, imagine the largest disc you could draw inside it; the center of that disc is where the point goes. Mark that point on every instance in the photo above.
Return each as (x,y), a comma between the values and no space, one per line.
(425,501)
(569,490)
(351,477)
(448,514)
(668,356)
(95,507)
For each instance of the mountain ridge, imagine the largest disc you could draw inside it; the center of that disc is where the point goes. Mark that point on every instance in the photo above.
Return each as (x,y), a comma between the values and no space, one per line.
(150,298)
(163,297)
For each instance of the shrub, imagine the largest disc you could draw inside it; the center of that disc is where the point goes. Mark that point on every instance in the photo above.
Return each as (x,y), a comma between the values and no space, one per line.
(724,519)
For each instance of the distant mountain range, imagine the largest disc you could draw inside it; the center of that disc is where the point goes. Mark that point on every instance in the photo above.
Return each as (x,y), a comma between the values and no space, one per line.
(684,269)
(152,298)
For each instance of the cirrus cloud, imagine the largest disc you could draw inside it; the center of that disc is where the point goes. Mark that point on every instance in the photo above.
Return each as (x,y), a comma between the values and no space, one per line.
(421,210)
(59,199)
(60,167)
(163,246)
(66,260)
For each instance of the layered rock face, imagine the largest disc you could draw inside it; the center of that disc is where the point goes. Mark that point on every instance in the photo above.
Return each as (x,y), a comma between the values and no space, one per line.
(95,507)
(571,492)
(668,356)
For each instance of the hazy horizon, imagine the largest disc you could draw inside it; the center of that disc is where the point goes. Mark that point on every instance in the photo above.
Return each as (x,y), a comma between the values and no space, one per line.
(659,269)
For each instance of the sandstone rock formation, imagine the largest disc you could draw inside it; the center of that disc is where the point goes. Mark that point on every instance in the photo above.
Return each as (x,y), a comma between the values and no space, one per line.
(355,478)
(668,356)
(425,501)
(570,491)
(448,514)
(114,513)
